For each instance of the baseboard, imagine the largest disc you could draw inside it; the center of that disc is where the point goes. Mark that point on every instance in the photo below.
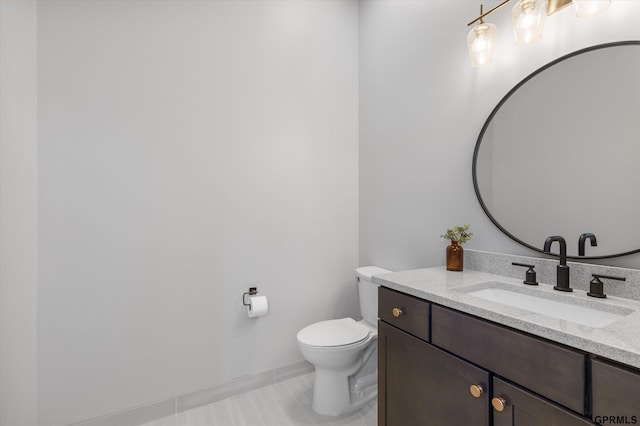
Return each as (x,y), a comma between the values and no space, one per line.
(161,409)
(134,416)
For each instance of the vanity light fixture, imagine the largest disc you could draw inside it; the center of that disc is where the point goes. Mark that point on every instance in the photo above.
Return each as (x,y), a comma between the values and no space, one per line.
(481,41)
(527,18)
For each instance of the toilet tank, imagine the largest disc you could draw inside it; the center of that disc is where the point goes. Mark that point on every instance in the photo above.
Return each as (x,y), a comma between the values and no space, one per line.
(368,292)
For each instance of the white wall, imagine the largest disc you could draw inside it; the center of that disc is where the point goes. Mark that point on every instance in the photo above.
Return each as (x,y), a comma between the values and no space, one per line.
(189,150)
(18,213)
(422,107)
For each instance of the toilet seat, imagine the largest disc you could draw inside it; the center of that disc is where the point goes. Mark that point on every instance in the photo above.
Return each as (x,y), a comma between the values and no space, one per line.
(334,333)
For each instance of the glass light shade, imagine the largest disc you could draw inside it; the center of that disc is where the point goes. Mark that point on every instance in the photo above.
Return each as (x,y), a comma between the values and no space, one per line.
(588,8)
(527,17)
(481,41)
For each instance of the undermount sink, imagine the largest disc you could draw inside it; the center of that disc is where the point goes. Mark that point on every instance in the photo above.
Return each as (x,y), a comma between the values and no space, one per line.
(543,303)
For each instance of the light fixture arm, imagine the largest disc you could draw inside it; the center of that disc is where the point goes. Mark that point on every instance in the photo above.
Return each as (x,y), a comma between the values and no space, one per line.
(553,6)
(489,12)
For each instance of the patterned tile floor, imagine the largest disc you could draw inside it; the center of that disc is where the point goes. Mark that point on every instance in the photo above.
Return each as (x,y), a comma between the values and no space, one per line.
(287,403)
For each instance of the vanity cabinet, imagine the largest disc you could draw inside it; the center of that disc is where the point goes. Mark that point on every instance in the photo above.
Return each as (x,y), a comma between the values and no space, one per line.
(616,393)
(450,368)
(423,385)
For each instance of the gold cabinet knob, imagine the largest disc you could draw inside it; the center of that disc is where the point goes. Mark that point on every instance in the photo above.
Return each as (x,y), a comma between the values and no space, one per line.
(476,390)
(397,312)
(498,403)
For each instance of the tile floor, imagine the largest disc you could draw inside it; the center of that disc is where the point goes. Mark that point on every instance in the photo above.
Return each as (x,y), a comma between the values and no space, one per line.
(287,403)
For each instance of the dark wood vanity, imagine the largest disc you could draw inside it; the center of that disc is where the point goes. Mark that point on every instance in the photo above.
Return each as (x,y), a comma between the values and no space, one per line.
(439,366)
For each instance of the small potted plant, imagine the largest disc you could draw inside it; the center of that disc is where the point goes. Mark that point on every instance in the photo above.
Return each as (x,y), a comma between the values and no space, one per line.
(458,235)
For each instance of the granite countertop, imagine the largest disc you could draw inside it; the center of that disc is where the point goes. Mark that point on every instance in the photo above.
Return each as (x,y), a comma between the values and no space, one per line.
(618,341)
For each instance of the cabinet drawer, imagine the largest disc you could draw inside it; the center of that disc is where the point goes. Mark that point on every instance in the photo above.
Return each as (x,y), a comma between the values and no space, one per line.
(548,369)
(413,312)
(524,408)
(615,392)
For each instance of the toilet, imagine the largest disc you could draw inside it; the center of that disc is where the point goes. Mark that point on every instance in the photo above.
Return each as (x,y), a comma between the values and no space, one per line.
(344,353)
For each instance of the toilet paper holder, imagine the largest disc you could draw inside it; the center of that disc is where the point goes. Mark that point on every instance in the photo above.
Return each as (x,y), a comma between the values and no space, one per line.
(252,292)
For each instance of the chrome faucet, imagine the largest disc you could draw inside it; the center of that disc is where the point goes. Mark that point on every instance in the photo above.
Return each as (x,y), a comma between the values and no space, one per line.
(562,270)
(582,240)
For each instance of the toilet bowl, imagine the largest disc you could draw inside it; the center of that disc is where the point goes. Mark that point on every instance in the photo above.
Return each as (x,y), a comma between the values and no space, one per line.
(344,354)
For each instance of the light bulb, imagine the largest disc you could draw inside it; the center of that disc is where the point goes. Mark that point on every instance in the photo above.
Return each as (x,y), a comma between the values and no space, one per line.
(527,17)
(481,41)
(589,8)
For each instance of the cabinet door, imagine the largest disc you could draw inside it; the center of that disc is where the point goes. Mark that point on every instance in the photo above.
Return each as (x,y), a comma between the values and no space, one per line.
(616,393)
(514,406)
(422,385)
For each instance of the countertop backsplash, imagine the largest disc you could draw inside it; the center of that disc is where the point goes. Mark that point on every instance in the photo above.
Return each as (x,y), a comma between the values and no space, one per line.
(579,273)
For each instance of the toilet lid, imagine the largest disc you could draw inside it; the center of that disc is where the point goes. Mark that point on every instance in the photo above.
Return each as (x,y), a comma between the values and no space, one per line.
(340,332)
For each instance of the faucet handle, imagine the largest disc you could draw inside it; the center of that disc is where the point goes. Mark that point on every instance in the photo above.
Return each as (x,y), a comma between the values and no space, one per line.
(530,277)
(582,240)
(596,287)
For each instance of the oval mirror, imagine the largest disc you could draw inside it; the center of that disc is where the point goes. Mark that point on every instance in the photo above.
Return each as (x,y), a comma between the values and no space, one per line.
(560,154)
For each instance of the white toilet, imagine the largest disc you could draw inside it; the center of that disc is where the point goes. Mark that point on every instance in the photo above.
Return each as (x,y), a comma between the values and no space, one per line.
(345,353)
